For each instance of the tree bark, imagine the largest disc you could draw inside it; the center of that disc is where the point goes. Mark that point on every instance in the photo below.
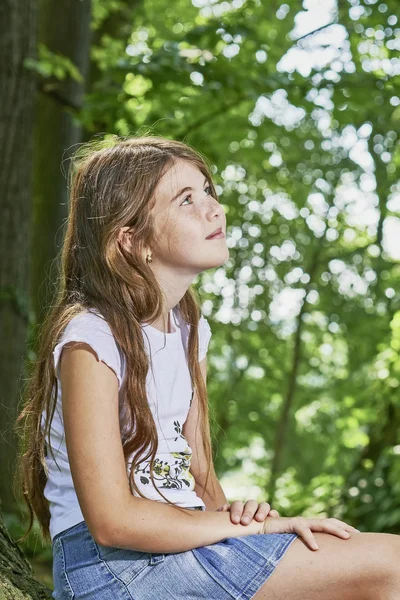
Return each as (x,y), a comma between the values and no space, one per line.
(64,28)
(17,90)
(16,578)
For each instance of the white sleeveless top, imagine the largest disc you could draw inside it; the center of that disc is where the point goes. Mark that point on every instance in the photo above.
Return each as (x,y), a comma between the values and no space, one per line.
(169,393)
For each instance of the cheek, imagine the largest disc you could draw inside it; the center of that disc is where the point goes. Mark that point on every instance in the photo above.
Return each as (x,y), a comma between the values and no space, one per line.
(185,235)
(189,226)
(183,241)
(178,233)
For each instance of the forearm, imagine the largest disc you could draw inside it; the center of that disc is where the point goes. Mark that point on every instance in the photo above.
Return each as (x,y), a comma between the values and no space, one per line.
(213,495)
(151,526)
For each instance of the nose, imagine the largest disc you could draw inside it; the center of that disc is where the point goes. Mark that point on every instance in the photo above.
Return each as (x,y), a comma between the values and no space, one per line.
(214,208)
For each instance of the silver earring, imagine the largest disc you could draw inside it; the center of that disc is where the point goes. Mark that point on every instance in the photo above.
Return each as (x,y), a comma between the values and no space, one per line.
(148,258)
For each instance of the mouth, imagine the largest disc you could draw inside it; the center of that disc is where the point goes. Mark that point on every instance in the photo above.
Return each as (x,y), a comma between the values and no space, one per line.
(218,233)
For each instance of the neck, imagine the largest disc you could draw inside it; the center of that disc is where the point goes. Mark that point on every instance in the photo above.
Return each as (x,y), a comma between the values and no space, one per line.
(163,324)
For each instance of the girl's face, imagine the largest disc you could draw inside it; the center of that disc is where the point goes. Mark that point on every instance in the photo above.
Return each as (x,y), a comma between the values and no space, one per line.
(183,220)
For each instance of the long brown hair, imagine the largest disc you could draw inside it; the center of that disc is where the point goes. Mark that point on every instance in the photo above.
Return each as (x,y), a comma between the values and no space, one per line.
(112,183)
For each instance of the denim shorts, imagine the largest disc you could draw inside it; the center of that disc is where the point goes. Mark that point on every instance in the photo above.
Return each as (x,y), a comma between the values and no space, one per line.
(232,569)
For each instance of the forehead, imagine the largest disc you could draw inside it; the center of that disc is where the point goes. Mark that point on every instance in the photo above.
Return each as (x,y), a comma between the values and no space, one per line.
(181,174)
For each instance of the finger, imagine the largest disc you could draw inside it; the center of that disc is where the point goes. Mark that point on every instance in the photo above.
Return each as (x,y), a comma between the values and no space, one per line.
(274,513)
(250,508)
(345,526)
(307,535)
(326,526)
(337,530)
(350,528)
(262,511)
(343,531)
(236,510)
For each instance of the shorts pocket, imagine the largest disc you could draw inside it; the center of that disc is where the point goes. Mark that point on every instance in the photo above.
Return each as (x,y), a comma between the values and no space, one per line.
(124,564)
(62,586)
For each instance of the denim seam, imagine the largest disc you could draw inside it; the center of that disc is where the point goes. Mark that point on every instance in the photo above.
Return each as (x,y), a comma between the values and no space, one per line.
(113,575)
(229,589)
(64,569)
(263,575)
(258,581)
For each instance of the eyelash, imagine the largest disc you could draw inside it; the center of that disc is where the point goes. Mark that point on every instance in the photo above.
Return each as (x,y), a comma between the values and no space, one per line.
(190,195)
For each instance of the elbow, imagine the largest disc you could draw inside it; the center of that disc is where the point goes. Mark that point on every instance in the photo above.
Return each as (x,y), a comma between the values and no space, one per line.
(104,534)
(105,523)
(114,537)
(100,535)
(102,538)
(107,537)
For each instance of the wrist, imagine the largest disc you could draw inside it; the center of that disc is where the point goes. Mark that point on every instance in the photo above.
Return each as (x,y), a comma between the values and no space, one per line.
(266,525)
(257,526)
(237,529)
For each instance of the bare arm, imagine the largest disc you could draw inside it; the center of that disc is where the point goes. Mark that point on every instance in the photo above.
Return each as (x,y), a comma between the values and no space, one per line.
(113,515)
(151,526)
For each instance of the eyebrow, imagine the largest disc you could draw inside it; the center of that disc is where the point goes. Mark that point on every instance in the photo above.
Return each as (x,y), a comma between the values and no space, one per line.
(187,189)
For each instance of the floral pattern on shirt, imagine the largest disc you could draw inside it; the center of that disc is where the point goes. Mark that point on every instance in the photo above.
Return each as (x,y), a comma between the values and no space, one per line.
(167,475)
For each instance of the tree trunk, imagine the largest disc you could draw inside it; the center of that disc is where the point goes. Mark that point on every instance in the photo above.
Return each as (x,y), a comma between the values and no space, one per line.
(16,579)
(64,28)
(17,90)
(288,401)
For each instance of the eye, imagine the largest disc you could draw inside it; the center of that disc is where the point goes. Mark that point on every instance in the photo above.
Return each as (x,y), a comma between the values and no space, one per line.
(187,198)
(208,187)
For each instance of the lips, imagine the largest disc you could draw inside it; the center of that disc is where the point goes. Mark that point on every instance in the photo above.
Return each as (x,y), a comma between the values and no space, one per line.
(216,232)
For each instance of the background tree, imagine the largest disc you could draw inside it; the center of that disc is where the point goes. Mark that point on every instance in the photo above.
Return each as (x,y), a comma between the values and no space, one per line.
(17,44)
(64,41)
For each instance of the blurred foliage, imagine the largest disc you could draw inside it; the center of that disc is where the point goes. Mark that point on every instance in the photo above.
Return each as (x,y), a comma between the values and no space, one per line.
(50,64)
(303,132)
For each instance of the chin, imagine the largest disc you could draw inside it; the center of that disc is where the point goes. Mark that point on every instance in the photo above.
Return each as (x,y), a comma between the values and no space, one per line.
(217,262)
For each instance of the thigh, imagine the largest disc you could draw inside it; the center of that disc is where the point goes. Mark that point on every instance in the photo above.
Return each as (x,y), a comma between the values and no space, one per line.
(358,568)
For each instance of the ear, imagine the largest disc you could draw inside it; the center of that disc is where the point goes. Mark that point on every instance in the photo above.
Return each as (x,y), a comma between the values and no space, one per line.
(125,238)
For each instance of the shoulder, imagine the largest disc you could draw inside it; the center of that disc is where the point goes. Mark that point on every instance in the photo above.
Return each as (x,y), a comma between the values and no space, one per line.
(91,327)
(90,322)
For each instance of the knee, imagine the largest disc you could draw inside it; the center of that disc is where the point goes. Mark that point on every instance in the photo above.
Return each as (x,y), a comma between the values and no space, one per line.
(387,567)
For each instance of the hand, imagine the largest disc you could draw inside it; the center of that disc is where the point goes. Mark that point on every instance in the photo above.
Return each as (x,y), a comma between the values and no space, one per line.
(244,513)
(304,527)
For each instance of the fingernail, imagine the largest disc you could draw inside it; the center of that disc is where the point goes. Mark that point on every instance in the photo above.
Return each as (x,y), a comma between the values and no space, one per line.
(246,519)
(315,546)
(220,508)
(236,518)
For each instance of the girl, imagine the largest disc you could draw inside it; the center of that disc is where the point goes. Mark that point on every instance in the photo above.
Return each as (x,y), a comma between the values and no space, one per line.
(117,465)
